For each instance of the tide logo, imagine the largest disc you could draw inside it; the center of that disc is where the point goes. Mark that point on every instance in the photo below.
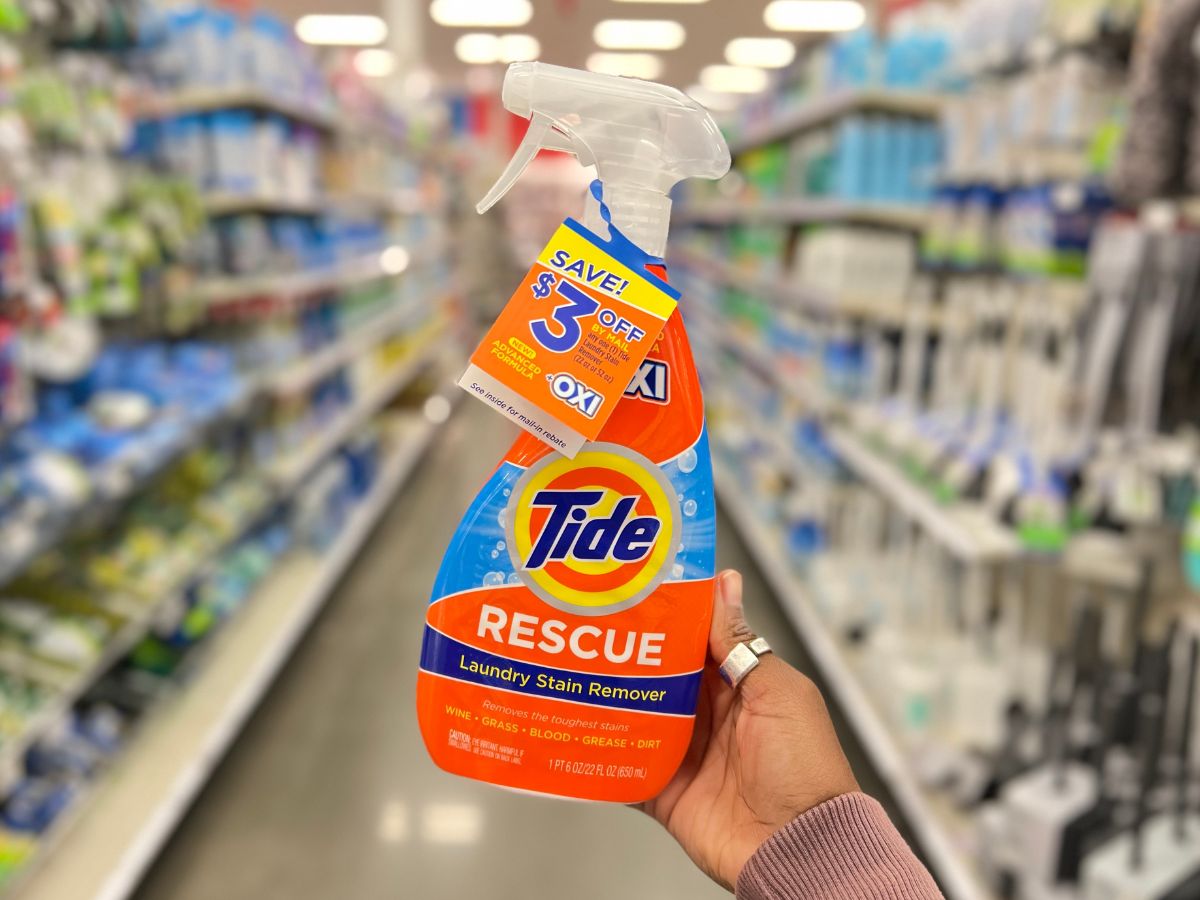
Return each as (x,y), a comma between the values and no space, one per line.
(596,534)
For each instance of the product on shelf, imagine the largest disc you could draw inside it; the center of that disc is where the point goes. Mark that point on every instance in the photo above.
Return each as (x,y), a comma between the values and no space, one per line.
(868,158)
(329,496)
(909,56)
(205,47)
(855,263)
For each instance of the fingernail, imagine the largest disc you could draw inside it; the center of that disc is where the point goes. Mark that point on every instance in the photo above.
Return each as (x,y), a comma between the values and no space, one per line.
(731,589)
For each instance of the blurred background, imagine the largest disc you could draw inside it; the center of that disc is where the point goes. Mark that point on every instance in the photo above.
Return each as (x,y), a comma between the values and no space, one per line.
(945,308)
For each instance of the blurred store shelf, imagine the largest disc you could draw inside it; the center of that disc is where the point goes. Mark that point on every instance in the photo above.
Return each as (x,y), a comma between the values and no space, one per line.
(118,479)
(287,476)
(222,290)
(397,203)
(130,814)
(971,534)
(125,475)
(71,686)
(200,100)
(1086,36)
(803,210)
(303,374)
(888,313)
(381,205)
(932,825)
(227,203)
(218,291)
(783,453)
(823,111)
(811,396)
(230,203)
(292,468)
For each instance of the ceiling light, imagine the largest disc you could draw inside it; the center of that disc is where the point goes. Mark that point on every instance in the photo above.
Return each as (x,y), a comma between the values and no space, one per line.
(481,13)
(766,53)
(347,31)
(635,65)
(374,63)
(393,260)
(814,15)
(662,1)
(639,34)
(716,101)
(519,48)
(733,79)
(478,48)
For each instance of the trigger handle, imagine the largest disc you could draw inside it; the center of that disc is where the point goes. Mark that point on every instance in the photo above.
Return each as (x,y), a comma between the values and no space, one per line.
(541,135)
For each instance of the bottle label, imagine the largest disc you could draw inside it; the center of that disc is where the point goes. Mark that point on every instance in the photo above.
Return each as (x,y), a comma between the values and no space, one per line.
(570,341)
(565,643)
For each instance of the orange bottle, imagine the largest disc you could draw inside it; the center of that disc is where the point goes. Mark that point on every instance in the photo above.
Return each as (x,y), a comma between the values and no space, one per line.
(567,633)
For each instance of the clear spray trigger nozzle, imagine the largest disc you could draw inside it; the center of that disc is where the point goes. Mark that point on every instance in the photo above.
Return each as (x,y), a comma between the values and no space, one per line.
(541,135)
(643,138)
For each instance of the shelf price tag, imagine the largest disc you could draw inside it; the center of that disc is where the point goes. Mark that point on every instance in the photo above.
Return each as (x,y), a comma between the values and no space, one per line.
(570,340)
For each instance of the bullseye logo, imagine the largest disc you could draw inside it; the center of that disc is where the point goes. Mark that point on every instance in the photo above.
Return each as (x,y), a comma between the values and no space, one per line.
(595,534)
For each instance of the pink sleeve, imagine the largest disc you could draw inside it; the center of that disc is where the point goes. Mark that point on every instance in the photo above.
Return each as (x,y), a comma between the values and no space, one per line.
(845,849)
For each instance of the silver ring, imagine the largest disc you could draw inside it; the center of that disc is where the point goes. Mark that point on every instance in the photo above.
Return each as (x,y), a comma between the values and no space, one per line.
(742,660)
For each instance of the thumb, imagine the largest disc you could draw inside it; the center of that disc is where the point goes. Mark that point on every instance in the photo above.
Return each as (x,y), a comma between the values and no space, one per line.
(729,626)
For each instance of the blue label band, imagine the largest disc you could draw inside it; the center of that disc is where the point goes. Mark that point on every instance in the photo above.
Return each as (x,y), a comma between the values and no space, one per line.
(671,694)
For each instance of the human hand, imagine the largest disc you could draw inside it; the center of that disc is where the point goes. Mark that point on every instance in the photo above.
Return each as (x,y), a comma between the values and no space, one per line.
(760,755)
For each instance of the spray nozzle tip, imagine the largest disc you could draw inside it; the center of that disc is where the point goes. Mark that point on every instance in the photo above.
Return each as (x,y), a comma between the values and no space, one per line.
(517,94)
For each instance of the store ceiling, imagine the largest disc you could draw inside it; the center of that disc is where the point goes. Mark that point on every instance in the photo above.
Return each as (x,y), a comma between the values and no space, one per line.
(564,29)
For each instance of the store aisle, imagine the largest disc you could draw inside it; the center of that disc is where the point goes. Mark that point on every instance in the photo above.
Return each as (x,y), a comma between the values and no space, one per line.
(329,793)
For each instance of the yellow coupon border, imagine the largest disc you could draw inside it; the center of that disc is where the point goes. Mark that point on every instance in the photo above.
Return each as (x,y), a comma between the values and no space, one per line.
(640,294)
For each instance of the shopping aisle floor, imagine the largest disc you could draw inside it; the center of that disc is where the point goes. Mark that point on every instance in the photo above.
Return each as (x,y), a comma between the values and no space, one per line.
(328,792)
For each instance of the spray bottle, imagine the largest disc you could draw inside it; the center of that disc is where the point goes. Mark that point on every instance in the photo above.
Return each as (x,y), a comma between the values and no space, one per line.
(568,627)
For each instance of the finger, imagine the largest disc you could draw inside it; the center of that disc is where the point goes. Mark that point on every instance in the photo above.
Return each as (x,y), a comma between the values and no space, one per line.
(729,628)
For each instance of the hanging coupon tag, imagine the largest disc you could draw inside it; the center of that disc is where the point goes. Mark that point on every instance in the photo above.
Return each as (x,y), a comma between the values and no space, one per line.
(571,339)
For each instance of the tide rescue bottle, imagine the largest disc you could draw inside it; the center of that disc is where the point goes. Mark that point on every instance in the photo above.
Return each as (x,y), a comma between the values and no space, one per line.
(568,626)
